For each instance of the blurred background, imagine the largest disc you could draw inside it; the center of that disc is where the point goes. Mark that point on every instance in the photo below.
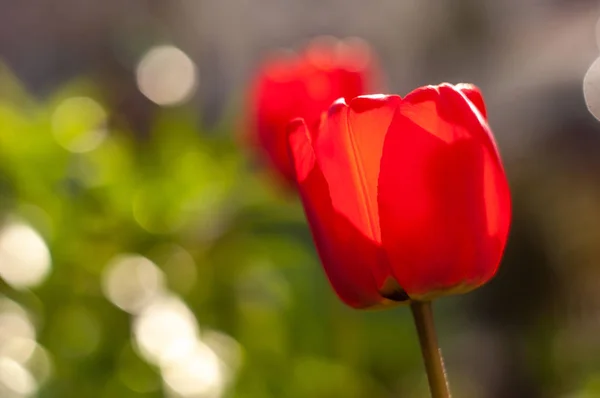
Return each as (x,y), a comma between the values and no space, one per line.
(142,256)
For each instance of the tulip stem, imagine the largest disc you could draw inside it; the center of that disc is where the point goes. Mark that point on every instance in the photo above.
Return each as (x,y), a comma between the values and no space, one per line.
(432,355)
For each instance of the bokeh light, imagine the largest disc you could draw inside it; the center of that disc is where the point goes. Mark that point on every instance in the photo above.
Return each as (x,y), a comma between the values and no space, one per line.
(39,364)
(16,331)
(167,76)
(18,349)
(131,282)
(79,124)
(591,88)
(24,364)
(16,378)
(197,374)
(24,257)
(165,330)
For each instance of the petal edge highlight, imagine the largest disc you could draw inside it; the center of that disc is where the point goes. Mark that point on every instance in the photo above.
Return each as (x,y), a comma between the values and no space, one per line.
(300,149)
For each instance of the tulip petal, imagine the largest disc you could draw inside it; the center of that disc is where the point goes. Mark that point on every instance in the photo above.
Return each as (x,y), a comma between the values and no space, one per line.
(273,103)
(344,251)
(474,95)
(348,148)
(443,199)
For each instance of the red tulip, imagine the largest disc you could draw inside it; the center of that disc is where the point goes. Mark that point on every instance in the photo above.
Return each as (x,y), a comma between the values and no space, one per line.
(406,198)
(304,86)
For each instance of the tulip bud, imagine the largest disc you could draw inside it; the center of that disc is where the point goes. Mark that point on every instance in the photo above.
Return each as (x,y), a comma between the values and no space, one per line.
(407,198)
(304,85)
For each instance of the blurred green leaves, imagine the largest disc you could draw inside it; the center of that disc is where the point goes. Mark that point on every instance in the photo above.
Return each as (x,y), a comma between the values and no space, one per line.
(230,244)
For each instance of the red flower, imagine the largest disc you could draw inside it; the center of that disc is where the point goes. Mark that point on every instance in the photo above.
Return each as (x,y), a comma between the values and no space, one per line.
(406,197)
(304,86)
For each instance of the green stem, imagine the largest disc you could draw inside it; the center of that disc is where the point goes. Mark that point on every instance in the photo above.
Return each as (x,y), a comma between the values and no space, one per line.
(432,356)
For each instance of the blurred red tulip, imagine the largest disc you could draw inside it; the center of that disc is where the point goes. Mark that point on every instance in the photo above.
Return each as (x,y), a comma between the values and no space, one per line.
(305,85)
(406,197)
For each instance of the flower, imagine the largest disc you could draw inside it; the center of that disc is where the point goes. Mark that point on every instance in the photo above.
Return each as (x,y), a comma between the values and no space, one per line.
(304,85)
(406,198)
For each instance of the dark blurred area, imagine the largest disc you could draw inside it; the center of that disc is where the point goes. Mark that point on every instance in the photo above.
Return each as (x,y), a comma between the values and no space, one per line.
(140,256)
